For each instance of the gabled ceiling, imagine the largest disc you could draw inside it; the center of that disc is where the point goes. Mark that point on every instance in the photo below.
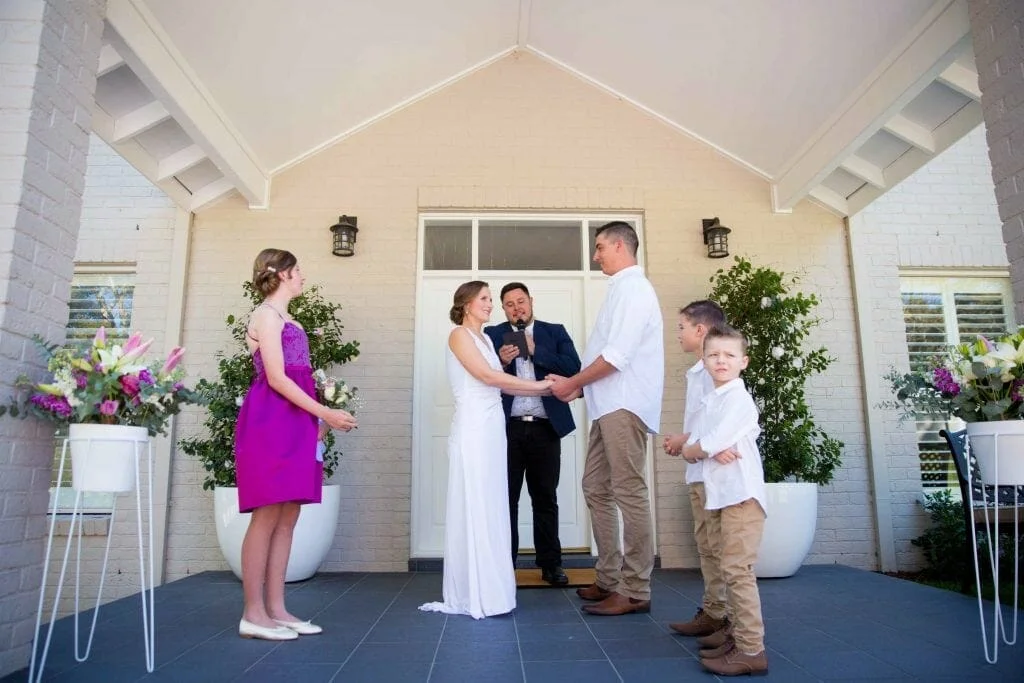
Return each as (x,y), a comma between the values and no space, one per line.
(835,100)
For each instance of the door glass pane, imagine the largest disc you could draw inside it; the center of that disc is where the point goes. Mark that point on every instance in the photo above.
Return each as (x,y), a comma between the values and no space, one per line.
(448,245)
(594,225)
(530,245)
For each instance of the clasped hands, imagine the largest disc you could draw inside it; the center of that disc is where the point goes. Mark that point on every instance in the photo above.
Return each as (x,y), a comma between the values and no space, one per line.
(675,445)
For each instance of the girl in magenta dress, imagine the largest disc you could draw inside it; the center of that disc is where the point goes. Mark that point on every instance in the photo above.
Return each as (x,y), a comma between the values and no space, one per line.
(275,448)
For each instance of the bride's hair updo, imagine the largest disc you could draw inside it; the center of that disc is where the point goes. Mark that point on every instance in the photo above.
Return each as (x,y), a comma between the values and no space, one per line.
(269,264)
(466,292)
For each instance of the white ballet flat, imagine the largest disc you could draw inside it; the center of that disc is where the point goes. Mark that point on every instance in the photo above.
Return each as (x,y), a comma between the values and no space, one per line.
(302,628)
(247,629)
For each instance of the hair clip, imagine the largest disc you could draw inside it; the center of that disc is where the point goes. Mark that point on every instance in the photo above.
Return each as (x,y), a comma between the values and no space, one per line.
(271,269)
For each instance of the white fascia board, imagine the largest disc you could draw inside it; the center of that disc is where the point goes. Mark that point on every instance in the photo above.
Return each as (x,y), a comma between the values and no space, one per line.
(151,54)
(928,50)
(109,60)
(180,161)
(963,80)
(911,133)
(865,170)
(210,193)
(830,199)
(140,120)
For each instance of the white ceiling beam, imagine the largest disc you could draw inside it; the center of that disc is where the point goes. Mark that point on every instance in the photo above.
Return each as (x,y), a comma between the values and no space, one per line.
(523,33)
(952,130)
(830,199)
(151,54)
(209,193)
(139,121)
(180,161)
(929,49)
(963,80)
(109,60)
(865,170)
(911,133)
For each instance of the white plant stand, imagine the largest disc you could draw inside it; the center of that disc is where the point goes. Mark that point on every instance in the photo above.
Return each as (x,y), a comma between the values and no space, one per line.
(999,632)
(142,449)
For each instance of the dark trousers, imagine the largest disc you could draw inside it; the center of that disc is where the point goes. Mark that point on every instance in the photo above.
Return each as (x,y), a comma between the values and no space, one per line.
(535,453)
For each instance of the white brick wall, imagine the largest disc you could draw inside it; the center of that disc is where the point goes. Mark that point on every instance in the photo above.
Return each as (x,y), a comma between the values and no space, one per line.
(48,56)
(943,217)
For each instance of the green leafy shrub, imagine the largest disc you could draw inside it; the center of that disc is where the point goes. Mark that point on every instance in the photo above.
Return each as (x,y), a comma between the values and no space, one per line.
(216,450)
(759,302)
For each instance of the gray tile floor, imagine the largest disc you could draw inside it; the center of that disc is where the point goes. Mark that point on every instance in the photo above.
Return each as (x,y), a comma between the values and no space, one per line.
(824,624)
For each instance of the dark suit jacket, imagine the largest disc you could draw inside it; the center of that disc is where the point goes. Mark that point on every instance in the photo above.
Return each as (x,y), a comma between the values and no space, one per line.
(553,353)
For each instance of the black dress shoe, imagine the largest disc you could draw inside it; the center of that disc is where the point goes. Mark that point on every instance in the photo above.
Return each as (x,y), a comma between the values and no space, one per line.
(555,576)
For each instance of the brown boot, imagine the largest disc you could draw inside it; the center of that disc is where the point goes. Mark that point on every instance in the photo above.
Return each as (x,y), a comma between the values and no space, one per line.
(593,592)
(720,651)
(716,639)
(735,663)
(702,624)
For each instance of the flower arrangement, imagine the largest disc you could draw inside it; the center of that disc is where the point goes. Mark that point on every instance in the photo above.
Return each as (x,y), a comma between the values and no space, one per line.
(335,393)
(977,381)
(759,302)
(106,383)
(223,396)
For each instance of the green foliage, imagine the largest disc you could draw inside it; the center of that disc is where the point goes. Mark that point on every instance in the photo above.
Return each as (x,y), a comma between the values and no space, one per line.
(235,371)
(760,303)
(943,543)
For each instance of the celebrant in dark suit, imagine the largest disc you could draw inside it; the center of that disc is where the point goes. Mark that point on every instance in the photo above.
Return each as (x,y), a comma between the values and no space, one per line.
(533,349)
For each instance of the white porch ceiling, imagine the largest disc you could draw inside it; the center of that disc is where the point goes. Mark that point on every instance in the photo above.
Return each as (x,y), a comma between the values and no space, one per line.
(836,100)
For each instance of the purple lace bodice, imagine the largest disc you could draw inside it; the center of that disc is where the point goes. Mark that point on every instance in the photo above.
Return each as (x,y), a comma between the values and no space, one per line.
(294,345)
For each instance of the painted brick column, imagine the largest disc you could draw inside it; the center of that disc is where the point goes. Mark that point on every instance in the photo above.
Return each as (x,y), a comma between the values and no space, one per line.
(49,51)
(997,29)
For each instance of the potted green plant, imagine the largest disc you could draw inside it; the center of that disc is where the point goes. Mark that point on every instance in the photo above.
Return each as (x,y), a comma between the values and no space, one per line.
(798,455)
(314,531)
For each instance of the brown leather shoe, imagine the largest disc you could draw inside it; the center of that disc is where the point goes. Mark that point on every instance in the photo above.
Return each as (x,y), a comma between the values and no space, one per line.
(593,592)
(720,651)
(735,663)
(702,624)
(616,604)
(716,639)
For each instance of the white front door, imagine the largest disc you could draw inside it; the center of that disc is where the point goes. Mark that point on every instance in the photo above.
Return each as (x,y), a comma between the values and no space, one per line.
(557,299)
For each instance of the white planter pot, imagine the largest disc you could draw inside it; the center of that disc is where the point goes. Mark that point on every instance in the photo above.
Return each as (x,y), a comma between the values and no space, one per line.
(103,456)
(999,449)
(314,532)
(788,529)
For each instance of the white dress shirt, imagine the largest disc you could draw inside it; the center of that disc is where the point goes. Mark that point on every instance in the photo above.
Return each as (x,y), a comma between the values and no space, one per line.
(698,385)
(526,405)
(728,418)
(628,334)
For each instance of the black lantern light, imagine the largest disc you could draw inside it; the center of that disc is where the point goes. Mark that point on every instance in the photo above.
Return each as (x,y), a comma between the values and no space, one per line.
(716,236)
(344,236)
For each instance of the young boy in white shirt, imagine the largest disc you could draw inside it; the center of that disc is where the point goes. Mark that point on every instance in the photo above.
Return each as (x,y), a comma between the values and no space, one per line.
(724,439)
(711,621)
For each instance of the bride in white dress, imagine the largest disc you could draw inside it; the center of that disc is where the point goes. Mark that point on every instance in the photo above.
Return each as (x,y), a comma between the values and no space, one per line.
(479,579)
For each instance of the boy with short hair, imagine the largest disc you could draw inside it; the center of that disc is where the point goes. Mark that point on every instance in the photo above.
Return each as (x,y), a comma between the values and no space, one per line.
(724,439)
(711,620)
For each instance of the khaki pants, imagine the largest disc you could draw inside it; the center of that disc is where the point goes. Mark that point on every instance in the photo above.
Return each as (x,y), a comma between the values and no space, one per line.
(741,528)
(613,477)
(707,530)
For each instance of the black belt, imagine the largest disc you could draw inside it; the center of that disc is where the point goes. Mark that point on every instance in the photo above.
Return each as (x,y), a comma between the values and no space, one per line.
(528,418)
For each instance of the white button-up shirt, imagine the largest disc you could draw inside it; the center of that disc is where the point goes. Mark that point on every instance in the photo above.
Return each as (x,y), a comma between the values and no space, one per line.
(628,334)
(527,405)
(728,418)
(698,385)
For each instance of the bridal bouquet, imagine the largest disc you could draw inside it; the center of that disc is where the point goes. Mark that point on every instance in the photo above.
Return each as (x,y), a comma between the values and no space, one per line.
(335,393)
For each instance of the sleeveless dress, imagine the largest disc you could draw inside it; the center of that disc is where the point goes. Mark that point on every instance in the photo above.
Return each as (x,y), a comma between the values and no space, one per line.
(275,440)
(479,579)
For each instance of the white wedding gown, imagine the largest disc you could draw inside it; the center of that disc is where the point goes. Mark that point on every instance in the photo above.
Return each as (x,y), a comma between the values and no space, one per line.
(479,579)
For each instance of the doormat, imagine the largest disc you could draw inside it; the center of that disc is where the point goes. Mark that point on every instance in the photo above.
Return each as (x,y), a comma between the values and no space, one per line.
(531,578)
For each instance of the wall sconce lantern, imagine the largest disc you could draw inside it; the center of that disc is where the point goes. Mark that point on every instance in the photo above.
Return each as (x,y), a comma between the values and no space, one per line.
(716,236)
(344,236)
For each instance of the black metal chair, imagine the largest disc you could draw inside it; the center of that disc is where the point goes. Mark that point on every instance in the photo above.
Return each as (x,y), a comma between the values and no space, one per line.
(1003,502)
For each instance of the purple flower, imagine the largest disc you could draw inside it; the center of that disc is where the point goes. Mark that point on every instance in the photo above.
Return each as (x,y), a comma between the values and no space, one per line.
(944,382)
(1015,394)
(130,384)
(146,377)
(178,386)
(81,379)
(108,407)
(58,405)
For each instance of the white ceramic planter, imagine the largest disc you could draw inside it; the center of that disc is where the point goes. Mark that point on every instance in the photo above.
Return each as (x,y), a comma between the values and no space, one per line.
(999,449)
(311,541)
(788,529)
(103,456)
